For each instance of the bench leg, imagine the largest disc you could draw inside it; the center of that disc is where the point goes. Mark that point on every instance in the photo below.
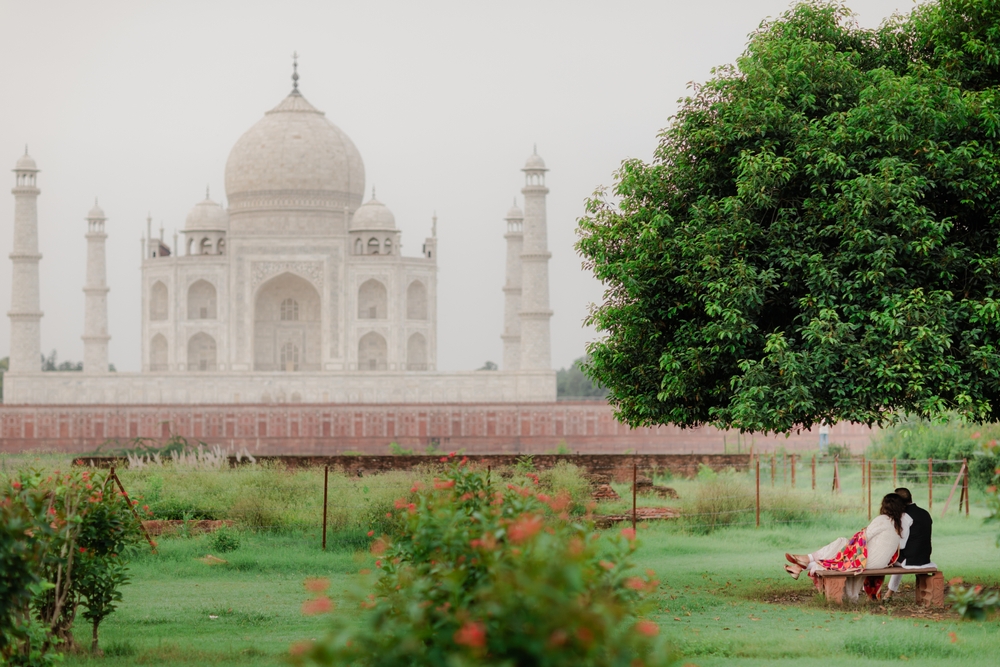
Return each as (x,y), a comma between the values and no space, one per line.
(930,590)
(833,588)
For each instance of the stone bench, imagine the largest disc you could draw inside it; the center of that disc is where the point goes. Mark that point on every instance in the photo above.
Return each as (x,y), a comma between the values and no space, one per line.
(930,583)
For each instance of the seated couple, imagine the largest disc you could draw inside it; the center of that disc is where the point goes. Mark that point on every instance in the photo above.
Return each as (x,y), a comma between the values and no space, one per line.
(899,535)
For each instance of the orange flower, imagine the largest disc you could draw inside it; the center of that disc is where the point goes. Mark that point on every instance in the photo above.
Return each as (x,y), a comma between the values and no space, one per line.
(954,637)
(318,606)
(400,503)
(635,583)
(524,528)
(445,484)
(607,565)
(379,546)
(955,581)
(585,636)
(628,534)
(647,628)
(471,634)
(370,533)
(317,584)
(558,638)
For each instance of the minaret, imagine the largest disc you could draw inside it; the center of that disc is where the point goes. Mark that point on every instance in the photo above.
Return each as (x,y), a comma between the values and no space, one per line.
(25,314)
(512,290)
(536,347)
(95,316)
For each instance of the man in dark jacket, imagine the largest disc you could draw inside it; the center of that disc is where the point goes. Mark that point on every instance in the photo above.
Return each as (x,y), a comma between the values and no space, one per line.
(915,547)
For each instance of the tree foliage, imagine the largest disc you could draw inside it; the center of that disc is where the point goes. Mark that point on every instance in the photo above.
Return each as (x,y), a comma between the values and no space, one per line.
(572,382)
(817,235)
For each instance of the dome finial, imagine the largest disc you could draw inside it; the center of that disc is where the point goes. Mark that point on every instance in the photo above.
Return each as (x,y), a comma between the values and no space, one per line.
(373,191)
(206,193)
(26,149)
(534,149)
(295,73)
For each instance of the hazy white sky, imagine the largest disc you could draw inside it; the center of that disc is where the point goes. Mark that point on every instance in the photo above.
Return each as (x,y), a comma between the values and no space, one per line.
(138,103)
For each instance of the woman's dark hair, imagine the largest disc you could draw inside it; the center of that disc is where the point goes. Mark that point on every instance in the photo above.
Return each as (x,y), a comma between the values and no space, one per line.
(893,507)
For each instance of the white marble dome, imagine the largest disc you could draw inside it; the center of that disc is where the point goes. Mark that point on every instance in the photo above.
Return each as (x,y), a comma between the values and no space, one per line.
(535,162)
(207,216)
(25,163)
(374,215)
(96,213)
(294,155)
(514,213)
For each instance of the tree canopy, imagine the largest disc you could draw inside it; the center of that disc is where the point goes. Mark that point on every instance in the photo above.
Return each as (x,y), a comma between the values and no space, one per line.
(816,238)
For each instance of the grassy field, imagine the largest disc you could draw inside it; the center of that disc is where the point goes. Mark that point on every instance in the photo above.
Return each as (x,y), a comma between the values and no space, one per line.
(724,600)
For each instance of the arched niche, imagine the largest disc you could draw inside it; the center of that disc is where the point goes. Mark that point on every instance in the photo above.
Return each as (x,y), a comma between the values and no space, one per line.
(359,247)
(372,352)
(158,302)
(158,358)
(287,319)
(416,353)
(201,301)
(373,246)
(201,353)
(416,301)
(373,301)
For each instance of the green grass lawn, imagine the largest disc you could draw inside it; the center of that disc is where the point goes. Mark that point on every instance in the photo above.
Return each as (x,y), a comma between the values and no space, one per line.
(724,600)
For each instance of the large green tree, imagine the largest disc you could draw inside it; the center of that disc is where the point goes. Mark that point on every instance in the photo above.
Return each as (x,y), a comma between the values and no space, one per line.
(817,235)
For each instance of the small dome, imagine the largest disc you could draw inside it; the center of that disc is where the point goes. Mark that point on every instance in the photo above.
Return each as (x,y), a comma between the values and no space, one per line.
(207,216)
(535,162)
(373,214)
(96,213)
(25,163)
(514,213)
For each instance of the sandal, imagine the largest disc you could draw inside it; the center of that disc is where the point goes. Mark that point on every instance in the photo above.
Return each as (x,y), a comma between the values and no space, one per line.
(795,559)
(793,570)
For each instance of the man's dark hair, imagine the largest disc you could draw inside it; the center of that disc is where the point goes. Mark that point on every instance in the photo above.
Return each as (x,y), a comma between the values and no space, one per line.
(902,491)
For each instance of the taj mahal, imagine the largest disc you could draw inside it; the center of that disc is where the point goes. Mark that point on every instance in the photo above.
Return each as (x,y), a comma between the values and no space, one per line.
(295,291)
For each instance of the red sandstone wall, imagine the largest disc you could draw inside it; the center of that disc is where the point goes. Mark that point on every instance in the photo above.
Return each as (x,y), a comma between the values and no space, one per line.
(586,427)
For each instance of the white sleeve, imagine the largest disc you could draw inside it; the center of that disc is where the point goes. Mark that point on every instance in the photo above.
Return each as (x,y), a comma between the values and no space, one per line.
(907,522)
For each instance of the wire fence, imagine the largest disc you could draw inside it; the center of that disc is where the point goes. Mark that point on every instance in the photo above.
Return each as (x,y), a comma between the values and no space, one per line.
(340,507)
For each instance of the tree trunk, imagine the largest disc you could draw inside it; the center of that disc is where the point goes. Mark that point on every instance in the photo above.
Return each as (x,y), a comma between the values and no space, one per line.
(94,648)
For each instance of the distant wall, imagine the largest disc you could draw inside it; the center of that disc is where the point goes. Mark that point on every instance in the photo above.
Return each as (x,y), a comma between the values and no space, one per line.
(583,427)
(618,466)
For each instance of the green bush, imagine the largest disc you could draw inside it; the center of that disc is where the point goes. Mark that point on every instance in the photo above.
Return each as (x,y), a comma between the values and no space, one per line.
(224,541)
(721,499)
(474,574)
(913,441)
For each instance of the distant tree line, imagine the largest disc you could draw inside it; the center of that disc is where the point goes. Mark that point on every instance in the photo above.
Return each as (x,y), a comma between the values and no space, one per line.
(49,363)
(573,383)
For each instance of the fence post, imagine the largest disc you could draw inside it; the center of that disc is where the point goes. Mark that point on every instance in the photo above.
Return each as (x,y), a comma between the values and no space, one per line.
(863,461)
(958,480)
(635,469)
(784,468)
(869,490)
(966,485)
(894,483)
(814,471)
(930,484)
(326,486)
(774,464)
(836,474)
(793,471)
(758,492)
(128,501)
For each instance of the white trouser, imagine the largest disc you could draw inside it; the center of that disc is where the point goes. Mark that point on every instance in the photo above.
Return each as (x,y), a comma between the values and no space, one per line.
(897,579)
(853,585)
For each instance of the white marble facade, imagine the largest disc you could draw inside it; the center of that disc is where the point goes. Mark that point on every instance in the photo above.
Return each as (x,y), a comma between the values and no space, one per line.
(297,292)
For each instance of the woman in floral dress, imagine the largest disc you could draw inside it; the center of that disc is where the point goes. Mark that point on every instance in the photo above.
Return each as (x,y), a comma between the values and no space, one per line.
(874,547)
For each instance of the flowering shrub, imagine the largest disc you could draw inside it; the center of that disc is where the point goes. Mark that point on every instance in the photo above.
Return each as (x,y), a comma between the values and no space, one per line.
(973,603)
(69,539)
(495,573)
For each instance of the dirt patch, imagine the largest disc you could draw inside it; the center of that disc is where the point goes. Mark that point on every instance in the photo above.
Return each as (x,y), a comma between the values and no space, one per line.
(901,605)
(641,514)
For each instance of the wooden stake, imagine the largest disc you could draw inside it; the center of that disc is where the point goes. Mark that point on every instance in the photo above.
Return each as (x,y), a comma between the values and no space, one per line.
(758,492)
(959,478)
(114,476)
(326,486)
(836,473)
(635,469)
(966,485)
(814,471)
(793,471)
(774,465)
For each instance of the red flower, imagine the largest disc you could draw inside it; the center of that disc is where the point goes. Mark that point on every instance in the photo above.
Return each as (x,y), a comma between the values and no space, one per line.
(647,628)
(471,634)
(16,484)
(451,454)
(82,550)
(317,606)
(400,503)
(444,459)
(607,565)
(635,583)
(446,484)
(628,534)
(524,528)
(370,533)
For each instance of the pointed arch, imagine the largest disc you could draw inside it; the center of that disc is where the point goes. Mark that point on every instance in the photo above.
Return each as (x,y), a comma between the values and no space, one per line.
(159,308)
(416,301)
(158,354)
(372,352)
(416,353)
(373,301)
(287,325)
(201,301)
(201,353)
